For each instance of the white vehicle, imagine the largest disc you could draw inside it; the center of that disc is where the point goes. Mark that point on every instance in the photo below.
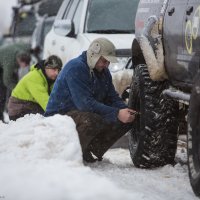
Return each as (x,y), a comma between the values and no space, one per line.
(79,22)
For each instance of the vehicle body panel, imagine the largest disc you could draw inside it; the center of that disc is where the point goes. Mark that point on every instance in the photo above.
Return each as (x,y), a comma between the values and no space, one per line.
(69,47)
(179,23)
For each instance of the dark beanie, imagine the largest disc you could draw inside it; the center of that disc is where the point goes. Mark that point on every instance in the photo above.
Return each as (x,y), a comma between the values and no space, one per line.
(53,61)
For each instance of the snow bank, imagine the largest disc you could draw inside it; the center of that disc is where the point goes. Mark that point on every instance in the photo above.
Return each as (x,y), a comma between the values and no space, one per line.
(34,137)
(40,158)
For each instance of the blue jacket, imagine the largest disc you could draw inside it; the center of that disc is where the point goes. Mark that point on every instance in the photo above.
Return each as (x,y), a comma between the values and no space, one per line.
(76,88)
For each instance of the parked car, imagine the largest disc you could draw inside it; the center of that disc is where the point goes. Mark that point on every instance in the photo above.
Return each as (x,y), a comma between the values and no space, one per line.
(37,41)
(23,23)
(79,22)
(27,14)
(166,54)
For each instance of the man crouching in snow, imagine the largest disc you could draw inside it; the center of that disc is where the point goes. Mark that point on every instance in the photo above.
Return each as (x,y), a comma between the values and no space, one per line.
(32,92)
(84,91)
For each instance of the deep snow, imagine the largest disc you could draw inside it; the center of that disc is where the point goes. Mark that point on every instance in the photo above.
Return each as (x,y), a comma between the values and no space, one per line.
(40,158)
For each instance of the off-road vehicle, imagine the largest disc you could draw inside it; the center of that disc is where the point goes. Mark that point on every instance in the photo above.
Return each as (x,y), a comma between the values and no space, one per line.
(166,84)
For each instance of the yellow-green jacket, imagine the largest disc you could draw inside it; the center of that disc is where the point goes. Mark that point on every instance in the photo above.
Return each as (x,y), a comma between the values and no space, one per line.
(33,87)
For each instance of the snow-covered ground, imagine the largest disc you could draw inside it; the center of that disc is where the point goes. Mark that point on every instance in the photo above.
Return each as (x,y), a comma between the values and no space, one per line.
(40,158)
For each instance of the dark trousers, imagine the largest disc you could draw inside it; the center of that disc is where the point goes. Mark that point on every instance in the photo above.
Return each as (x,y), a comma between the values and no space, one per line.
(18,108)
(96,135)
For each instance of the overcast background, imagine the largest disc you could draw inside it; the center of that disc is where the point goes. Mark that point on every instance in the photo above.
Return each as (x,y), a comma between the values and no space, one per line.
(5,14)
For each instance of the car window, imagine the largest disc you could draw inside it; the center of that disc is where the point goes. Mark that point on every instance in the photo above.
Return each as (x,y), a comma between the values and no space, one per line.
(47,27)
(25,24)
(77,16)
(71,9)
(111,16)
(49,7)
(64,8)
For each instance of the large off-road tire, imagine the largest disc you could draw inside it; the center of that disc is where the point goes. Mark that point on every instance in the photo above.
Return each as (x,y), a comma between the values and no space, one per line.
(153,140)
(194,137)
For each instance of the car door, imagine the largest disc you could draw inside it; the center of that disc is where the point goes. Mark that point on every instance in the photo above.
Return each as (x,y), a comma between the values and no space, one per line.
(192,38)
(174,40)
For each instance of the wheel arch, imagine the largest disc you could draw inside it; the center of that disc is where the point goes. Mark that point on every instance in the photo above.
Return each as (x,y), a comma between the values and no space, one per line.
(137,55)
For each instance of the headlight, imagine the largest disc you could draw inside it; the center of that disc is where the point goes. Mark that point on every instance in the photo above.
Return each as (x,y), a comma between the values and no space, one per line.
(122,61)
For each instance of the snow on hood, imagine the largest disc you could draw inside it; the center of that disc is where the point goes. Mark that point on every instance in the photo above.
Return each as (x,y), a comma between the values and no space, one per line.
(40,158)
(121,41)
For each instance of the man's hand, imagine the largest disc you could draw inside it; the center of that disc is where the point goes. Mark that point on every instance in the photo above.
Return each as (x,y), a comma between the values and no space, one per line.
(126,115)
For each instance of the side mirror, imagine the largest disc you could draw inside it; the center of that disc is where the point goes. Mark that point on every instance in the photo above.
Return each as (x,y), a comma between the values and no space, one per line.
(64,27)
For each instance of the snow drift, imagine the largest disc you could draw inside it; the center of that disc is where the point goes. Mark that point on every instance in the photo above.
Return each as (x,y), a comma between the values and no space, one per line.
(41,158)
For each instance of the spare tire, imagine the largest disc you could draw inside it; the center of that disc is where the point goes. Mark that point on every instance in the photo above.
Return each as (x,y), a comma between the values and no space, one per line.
(194,137)
(153,139)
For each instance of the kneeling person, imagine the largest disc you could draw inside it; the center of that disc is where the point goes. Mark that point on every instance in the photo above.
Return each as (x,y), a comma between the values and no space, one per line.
(84,91)
(32,92)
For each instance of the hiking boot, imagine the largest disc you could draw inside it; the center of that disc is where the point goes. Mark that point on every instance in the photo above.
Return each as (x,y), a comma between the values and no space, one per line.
(87,157)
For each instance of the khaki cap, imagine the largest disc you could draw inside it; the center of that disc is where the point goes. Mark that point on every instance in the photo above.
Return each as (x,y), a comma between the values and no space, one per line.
(101,47)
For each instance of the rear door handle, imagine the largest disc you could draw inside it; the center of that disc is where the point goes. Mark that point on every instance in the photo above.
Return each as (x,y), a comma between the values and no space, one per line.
(171,11)
(189,10)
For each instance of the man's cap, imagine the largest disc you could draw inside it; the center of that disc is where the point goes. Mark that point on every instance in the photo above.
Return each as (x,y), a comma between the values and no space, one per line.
(53,61)
(101,47)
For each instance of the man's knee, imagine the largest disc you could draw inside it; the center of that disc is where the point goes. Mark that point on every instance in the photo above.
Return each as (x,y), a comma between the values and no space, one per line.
(88,126)
(87,119)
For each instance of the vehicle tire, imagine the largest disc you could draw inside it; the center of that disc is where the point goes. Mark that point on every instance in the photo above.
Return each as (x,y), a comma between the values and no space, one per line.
(153,139)
(194,137)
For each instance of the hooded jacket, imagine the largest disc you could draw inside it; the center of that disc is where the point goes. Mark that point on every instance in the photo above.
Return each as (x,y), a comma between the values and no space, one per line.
(34,87)
(9,64)
(76,88)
